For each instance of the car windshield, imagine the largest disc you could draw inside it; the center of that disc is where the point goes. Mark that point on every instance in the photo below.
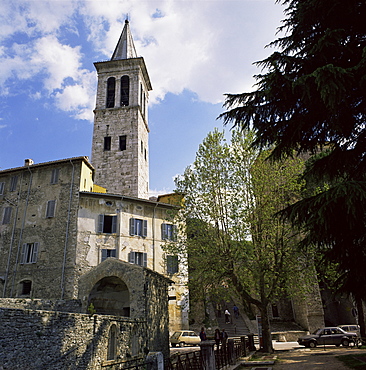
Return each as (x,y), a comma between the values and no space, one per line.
(318,331)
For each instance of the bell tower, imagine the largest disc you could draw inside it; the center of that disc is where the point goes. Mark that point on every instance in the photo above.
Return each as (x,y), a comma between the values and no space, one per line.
(120,148)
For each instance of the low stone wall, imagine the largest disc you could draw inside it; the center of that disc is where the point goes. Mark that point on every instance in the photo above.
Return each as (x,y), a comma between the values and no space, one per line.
(288,336)
(34,339)
(73,305)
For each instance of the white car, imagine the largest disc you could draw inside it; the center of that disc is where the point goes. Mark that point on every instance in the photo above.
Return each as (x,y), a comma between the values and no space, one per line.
(185,337)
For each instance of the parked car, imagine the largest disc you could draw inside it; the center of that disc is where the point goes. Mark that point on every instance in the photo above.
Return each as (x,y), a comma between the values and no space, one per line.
(329,335)
(182,337)
(351,328)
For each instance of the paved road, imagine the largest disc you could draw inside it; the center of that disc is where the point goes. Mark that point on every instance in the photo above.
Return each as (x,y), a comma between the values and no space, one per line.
(294,357)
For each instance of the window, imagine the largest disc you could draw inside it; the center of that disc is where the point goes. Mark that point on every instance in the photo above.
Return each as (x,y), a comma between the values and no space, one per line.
(112,343)
(171,264)
(54,175)
(125,91)
(138,227)
(13,183)
(106,253)
(26,287)
(107,143)
(142,147)
(168,232)
(111,89)
(2,186)
(107,224)
(123,142)
(50,211)
(138,258)
(29,253)
(7,215)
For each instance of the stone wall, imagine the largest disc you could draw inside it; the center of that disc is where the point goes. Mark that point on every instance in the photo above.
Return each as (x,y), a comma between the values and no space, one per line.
(34,339)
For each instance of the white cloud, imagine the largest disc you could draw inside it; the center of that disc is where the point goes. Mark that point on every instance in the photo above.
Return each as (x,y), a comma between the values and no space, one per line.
(204,46)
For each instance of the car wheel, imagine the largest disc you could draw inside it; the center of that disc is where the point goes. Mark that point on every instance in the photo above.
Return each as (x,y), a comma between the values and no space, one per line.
(181,344)
(312,344)
(174,344)
(345,342)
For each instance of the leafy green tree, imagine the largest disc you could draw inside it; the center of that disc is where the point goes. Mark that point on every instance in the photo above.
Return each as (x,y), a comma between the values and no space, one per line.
(311,98)
(233,240)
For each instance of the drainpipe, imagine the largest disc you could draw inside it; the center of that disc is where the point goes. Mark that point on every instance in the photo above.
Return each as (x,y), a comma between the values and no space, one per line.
(12,237)
(67,231)
(21,232)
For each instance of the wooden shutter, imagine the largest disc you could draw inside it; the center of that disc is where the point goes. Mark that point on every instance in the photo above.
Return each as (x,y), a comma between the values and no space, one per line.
(104,254)
(50,212)
(132,226)
(163,231)
(175,230)
(113,253)
(131,257)
(144,262)
(7,215)
(34,253)
(23,254)
(100,223)
(114,224)
(144,228)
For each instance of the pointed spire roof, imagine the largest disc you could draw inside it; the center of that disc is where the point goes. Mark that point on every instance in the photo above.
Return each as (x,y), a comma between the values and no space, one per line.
(125,48)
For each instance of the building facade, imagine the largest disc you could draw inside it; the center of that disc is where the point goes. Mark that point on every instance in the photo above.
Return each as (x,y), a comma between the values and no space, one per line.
(71,230)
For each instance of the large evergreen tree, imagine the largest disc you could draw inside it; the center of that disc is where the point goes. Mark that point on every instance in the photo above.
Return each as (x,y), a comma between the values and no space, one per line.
(311,98)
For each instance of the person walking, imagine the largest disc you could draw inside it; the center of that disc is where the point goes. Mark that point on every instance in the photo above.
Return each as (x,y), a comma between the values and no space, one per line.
(224,337)
(217,337)
(203,334)
(227,316)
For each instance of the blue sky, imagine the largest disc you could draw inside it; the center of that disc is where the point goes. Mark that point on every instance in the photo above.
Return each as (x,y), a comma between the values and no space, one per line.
(195,52)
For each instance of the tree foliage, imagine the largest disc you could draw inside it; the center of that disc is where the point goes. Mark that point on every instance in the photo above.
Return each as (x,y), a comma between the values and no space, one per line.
(311,98)
(233,240)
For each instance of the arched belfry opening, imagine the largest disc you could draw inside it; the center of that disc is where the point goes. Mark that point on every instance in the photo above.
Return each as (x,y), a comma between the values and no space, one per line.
(110,296)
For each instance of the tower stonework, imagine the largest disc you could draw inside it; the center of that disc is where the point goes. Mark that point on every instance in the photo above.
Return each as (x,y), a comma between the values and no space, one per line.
(120,148)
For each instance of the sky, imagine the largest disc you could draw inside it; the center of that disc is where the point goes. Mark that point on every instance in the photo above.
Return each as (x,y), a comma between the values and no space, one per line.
(195,51)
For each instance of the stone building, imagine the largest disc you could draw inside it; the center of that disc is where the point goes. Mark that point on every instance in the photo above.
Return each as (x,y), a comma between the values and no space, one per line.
(72,231)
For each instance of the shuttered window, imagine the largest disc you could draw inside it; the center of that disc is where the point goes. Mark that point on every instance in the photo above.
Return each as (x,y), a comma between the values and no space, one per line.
(13,183)
(7,215)
(172,264)
(107,224)
(138,227)
(55,175)
(168,232)
(51,207)
(29,253)
(138,258)
(106,253)
(2,186)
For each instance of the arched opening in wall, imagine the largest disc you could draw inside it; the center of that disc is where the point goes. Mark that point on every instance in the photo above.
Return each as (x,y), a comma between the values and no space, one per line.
(110,296)
(111,91)
(125,91)
(25,288)
(112,343)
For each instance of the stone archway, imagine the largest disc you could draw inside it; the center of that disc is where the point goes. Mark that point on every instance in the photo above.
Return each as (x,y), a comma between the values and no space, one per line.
(110,296)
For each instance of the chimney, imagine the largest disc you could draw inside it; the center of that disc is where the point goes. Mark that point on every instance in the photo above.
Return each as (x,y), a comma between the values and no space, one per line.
(28,162)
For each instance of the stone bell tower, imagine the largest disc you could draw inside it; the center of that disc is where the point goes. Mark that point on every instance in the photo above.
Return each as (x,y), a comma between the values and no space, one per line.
(120,149)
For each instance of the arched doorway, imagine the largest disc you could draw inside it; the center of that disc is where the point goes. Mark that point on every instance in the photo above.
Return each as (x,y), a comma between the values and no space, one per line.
(110,296)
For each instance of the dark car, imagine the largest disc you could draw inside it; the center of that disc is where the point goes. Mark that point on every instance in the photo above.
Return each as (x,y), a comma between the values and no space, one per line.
(330,335)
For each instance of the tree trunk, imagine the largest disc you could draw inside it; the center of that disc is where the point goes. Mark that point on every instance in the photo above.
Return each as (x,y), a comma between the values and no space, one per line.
(361,316)
(266,345)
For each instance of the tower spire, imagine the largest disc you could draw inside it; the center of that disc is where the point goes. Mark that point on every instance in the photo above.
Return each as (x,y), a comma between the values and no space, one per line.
(125,48)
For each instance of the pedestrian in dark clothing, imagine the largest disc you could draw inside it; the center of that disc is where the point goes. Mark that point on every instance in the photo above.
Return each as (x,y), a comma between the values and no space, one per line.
(217,338)
(203,334)
(224,337)
(236,311)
